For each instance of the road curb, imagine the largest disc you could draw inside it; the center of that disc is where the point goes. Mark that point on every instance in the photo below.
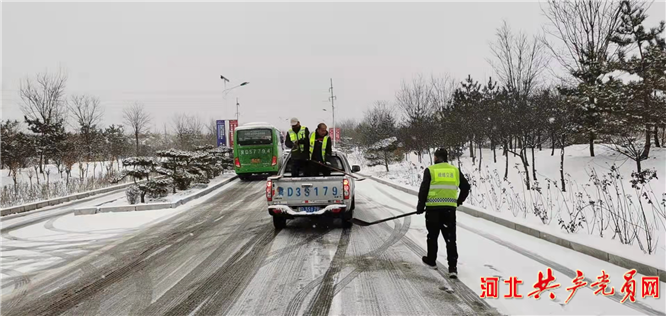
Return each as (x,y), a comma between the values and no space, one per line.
(152,206)
(590,251)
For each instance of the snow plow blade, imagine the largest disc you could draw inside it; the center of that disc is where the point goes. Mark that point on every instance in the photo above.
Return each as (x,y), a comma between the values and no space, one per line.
(364,223)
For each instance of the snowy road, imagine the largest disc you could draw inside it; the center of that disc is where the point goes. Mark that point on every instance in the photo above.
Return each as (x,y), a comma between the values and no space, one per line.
(224,257)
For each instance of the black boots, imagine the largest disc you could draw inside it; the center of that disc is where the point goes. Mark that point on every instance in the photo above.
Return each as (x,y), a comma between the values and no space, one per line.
(430,263)
(453,271)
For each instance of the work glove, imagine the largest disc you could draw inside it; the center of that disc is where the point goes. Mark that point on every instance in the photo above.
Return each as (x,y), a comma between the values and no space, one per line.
(420,211)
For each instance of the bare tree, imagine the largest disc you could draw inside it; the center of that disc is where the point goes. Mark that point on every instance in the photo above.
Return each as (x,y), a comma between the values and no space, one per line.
(87,112)
(417,103)
(584,30)
(518,61)
(137,119)
(189,131)
(211,132)
(442,89)
(44,97)
(43,107)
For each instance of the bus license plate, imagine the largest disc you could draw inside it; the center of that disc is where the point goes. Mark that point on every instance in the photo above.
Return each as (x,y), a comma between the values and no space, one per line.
(256,160)
(309,209)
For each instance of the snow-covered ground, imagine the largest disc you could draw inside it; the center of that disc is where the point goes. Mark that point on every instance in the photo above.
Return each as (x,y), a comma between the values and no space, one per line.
(92,169)
(32,186)
(551,209)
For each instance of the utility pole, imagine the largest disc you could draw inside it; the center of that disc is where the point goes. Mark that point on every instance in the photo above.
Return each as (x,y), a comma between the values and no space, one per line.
(332,98)
(237,112)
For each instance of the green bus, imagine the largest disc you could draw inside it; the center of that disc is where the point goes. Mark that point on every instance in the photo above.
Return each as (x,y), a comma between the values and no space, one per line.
(258,150)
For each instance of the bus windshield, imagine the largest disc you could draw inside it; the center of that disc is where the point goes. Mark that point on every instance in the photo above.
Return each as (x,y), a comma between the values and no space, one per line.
(255,137)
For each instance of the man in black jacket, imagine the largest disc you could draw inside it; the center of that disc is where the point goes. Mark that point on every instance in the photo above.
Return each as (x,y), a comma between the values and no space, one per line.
(438,198)
(321,151)
(298,140)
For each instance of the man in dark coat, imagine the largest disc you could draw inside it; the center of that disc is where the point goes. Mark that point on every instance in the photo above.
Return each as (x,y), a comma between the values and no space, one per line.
(298,140)
(439,198)
(321,151)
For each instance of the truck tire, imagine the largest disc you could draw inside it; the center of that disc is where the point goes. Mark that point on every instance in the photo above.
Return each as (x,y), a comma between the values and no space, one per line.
(347,219)
(279,222)
(353,204)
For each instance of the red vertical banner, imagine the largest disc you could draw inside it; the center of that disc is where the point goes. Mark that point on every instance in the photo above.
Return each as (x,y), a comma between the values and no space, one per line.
(334,134)
(232,128)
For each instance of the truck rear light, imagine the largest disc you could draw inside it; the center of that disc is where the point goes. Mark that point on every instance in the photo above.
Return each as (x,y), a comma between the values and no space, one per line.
(345,188)
(237,162)
(336,210)
(277,211)
(269,190)
(274,161)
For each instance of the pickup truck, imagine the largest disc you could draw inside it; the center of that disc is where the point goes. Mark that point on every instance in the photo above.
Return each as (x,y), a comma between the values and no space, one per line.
(291,196)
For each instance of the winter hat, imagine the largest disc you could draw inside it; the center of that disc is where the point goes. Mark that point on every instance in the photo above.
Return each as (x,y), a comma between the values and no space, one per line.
(294,121)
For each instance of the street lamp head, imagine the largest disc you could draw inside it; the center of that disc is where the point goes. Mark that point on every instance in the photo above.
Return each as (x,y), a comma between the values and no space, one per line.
(244,83)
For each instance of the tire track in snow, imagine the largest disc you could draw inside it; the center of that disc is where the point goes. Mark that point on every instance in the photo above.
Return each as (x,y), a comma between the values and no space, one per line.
(184,286)
(273,256)
(369,260)
(464,292)
(296,302)
(233,281)
(226,279)
(321,302)
(137,249)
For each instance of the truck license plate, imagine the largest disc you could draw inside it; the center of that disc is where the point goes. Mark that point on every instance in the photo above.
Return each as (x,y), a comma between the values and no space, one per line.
(256,160)
(309,209)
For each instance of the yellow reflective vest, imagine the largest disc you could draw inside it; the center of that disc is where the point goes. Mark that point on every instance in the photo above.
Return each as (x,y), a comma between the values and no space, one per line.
(324,143)
(444,184)
(295,137)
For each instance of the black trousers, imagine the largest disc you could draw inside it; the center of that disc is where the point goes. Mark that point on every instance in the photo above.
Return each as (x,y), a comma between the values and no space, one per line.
(317,169)
(298,166)
(444,220)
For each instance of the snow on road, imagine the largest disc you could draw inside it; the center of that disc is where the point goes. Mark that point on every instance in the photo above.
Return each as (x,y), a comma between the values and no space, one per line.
(488,250)
(226,258)
(35,243)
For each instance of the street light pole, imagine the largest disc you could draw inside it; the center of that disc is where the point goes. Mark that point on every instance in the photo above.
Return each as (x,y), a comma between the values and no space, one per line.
(226,91)
(332,98)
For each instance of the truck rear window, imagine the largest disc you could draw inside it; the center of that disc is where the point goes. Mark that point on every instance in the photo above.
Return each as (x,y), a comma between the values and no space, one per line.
(255,137)
(336,163)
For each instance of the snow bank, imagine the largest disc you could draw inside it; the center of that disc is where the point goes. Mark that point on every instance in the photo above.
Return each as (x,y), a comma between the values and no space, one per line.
(570,215)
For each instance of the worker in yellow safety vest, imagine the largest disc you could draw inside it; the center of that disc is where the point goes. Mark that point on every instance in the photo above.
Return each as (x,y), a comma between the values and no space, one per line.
(438,198)
(297,140)
(320,151)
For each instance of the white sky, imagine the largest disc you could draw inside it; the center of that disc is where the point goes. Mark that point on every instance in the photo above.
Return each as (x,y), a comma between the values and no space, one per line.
(169,56)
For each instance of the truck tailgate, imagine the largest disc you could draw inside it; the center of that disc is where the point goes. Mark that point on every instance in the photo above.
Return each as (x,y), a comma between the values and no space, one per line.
(309,191)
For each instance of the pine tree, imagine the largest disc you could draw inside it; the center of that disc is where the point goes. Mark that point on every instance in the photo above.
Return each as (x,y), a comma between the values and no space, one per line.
(116,144)
(644,102)
(15,149)
(384,152)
